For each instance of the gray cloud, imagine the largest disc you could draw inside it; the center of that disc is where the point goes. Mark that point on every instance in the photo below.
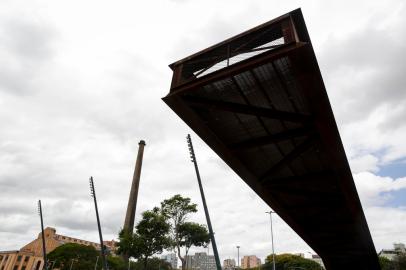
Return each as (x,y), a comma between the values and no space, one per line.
(364,70)
(26,45)
(77,96)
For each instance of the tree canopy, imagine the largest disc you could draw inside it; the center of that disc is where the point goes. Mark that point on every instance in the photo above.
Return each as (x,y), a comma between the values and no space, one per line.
(398,262)
(81,257)
(177,209)
(166,227)
(183,234)
(154,263)
(150,237)
(193,234)
(290,261)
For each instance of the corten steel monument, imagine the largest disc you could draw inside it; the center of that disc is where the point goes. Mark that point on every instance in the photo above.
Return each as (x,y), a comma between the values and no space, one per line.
(132,200)
(259,101)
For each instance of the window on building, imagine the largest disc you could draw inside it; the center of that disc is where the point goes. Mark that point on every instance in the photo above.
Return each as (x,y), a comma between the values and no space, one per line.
(19,258)
(15,267)
(26,258)
(38,265)
(23,268)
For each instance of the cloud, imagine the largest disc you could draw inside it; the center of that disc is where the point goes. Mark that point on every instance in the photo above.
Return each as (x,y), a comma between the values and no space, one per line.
(26,45)
(366,85)
(374,190)
(77,94)
(364,163)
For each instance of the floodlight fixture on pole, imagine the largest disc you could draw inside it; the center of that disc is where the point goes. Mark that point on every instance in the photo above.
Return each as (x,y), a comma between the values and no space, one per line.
(273,251)
(44,252)
(102,250)
(206,211)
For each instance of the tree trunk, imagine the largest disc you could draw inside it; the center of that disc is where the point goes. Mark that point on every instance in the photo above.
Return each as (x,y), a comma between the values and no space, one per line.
(182,259)
(145,263)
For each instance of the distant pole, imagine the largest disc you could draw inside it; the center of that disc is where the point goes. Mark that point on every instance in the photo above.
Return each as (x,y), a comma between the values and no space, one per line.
(97,260)
(102,250)
(53,264)
(44,252)
(71,264)
(273,251)
(238,256)
(206,211)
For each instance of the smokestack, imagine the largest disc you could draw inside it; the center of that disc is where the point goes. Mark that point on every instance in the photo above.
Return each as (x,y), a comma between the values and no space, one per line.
(132,201)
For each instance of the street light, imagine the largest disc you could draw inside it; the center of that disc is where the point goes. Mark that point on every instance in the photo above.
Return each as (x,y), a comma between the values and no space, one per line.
(44,252)
(238,257)
(273,251)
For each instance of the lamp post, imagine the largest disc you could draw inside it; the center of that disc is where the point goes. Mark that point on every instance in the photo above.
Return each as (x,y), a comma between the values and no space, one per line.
(206,211)
(53,264)
(102,248)
(71,264)
(44,252)
(97,260)
(238,256)
(273,251)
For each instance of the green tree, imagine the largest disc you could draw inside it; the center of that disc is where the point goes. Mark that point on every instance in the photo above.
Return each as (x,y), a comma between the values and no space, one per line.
(183,234)
(193,234)
(386,264)
(290,261)
(400,262)
(83,257)
(150,237)
(125,242)
(154,263)
(114,263)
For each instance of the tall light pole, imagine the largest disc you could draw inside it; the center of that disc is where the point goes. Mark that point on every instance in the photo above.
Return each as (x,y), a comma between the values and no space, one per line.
(273,251)
(44,252)
(238,256)
(93,194)
(95,265)
(206,211)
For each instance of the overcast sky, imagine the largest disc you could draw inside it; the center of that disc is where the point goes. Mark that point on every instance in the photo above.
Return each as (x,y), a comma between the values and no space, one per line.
(81,83)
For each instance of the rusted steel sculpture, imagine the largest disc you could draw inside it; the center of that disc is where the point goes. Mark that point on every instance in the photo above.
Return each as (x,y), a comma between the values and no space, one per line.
(259,101)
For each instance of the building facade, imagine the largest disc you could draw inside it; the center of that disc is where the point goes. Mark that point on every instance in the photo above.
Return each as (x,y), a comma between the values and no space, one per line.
(20,260)
(398,249)
(172,259)
(229,264)
(317,259)
(200,261)
(29,257)
(250,262)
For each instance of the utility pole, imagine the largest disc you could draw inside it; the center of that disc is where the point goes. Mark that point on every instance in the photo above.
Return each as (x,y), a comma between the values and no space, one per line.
(95,265)
(44,252)
(273,251)
(206,211)
(102,250)
(53,264)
